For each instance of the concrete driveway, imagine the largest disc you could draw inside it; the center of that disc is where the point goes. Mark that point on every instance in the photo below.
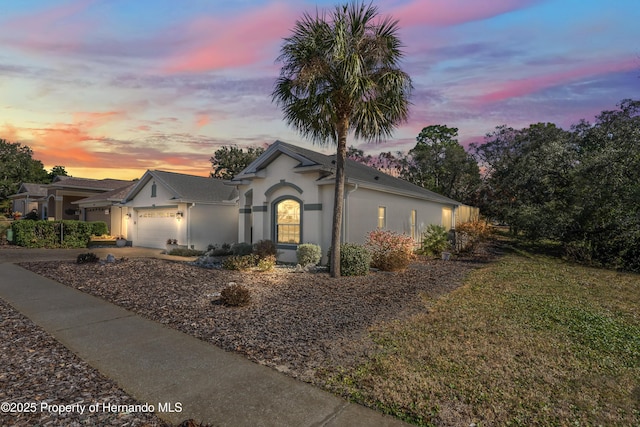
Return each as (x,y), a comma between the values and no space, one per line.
(12,254)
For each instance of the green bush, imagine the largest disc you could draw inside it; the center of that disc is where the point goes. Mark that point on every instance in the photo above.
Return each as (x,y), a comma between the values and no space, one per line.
(99,228)
(235,295)
(185,252)
(265,248)
(87,258)
(240,262)
(215,250)
(242,248)
(308,253)
(267,263)
(435,240)
(355,260)
(52,234)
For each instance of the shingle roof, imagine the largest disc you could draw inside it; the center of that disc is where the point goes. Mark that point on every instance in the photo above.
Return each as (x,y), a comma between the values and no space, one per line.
(106,184)
(354,172)
(116,195)
(33,189)
(188,188)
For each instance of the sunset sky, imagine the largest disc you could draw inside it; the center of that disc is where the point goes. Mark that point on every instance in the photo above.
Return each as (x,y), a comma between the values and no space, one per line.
(111,88)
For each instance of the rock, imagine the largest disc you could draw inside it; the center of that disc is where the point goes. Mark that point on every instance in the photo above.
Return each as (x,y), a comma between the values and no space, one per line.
(111,258)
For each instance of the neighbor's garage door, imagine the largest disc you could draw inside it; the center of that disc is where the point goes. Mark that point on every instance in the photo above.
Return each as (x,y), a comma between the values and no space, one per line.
(98,214)
(155,226)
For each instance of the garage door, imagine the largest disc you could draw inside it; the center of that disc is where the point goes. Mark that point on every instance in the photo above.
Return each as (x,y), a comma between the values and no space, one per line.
(155,226)
(98,214)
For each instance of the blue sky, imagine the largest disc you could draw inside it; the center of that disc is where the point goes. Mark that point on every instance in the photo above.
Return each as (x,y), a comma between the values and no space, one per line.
(112,88)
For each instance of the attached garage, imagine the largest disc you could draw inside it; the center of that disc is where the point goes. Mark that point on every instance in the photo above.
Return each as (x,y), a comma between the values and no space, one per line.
(192,210)
(98,214)
(155,226)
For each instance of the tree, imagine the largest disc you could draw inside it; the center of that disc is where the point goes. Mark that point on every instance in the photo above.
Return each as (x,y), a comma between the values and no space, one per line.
(57,171)
(439,163)
(341,75)
(229,161)
(16,166)
(529,175)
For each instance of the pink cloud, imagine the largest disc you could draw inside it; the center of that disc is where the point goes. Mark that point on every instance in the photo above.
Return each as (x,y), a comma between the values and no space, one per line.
(51,29)
(526,86)
(452,12)
(238,41)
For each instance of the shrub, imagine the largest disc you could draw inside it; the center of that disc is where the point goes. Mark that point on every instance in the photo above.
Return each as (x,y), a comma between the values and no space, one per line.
(390,251)
(223,250)
(52,234)
(242,248)
(265,248)
(87,258)
(435,240)
(240,262)
(266,264)
(354,260)
(469,234)
(308,253)
(185,252)
(98,228)
(235,295)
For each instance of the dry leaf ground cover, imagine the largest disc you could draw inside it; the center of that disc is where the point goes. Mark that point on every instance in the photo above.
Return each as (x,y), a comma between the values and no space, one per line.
(298,323)
(38,369)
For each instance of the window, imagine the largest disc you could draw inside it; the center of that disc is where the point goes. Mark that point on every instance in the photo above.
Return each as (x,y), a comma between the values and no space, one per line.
(412,222)
(153,189)
(382,216)
(287,225)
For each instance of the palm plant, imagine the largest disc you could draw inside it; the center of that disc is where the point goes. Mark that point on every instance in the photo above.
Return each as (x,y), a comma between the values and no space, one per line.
(341,74)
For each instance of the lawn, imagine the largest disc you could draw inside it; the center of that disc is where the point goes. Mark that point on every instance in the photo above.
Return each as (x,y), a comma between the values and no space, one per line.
(528,340)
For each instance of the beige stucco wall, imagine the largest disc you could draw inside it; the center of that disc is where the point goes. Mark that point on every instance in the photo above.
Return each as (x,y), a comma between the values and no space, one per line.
(280,179)
(210,224)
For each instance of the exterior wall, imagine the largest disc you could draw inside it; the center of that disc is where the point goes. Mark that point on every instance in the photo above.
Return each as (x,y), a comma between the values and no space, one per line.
(144,199)
(280,180)
(211,224)
(362,213)
(23,205)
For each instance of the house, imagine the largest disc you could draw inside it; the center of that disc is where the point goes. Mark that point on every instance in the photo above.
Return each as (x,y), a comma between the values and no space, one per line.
(64,191)
(195,211)
(107,207)
(286,195)
(29,197)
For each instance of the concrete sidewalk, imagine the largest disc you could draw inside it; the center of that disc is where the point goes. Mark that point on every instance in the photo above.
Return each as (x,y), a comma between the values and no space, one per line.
(155,364)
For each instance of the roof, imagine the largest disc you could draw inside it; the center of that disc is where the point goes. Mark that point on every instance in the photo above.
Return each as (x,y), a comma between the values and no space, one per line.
(355,173)
(187,188)
(31,190)
(106,184)
(109,197)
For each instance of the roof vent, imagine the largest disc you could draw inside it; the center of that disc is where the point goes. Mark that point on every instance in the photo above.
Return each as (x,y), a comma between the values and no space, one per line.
(333,162)
(376,177)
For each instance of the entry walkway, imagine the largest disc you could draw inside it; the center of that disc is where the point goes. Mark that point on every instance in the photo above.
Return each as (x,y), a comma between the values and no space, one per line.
(156,364)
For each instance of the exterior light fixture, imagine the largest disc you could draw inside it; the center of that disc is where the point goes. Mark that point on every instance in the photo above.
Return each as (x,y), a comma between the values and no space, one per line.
(179,215)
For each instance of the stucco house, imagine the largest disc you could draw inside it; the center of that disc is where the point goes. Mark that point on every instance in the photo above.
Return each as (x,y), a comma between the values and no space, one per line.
(28,197)
(64,191)
(286,195)
(195,211)
(107,207)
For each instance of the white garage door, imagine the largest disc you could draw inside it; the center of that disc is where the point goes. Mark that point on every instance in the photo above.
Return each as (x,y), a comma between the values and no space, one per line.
(155,226)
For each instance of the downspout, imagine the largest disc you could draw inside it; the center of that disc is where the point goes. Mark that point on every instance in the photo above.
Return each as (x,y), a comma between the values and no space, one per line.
(189,225)
(345,220)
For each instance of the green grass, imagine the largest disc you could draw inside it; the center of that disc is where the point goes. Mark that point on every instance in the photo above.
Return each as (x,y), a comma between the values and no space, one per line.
(528,340)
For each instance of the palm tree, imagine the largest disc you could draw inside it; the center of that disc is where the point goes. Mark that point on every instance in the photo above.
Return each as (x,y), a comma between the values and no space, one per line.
(341,74)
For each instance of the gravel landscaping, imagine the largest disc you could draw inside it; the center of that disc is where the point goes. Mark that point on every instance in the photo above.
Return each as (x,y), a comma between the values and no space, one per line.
(303,324)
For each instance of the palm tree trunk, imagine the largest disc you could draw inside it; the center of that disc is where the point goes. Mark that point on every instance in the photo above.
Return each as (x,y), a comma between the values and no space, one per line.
(338,201)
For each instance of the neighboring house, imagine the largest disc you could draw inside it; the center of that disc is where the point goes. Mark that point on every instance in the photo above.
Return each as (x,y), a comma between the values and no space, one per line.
(29,197)
(286,195)
(107,207)
(65,191)
(196,211)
